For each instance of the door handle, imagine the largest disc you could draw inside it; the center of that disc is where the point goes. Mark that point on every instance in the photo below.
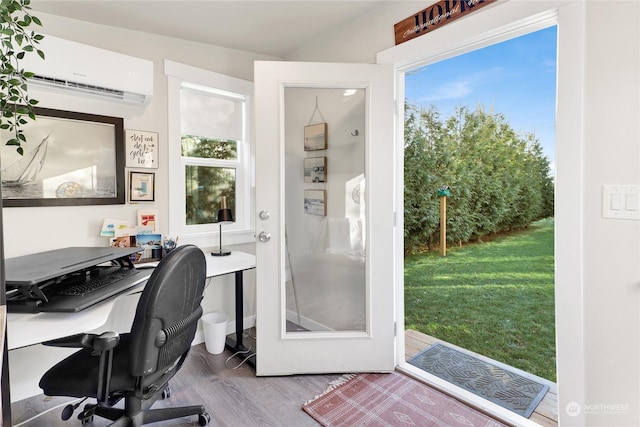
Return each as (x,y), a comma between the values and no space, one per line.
(264,237)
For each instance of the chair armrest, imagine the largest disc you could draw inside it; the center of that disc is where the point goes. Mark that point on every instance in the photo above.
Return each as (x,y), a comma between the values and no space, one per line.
(102,345)
(102,342)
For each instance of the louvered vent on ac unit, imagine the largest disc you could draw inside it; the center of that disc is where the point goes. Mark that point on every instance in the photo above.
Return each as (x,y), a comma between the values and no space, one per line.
(86,70)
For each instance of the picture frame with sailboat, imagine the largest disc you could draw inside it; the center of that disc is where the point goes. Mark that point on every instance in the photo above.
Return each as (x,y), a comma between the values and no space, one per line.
(70,158)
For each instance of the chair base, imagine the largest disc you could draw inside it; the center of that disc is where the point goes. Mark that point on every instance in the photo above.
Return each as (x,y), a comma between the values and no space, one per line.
(138,413)
(148,416)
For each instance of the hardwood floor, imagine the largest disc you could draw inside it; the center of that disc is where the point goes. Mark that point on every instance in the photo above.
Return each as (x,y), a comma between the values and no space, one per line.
(236,397)
(233,397)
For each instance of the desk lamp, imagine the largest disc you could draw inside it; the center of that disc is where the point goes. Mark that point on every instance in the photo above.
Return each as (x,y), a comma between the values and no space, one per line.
(224,217)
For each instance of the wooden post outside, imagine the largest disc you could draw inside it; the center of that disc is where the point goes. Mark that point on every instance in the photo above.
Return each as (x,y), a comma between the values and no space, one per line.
(443,192)
(443,225)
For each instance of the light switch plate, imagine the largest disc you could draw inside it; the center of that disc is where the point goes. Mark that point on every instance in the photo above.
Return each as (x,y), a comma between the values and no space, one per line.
(620,201)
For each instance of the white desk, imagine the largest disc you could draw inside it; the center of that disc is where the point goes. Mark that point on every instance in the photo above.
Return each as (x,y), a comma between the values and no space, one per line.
(237,262)
(26,329)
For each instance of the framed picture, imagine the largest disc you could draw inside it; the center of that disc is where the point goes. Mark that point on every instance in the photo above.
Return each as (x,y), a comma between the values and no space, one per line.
(69,159)
(148,220)
(315,137)
(314,202)
(141,186)
(151,245)
(141,149)
(315,169)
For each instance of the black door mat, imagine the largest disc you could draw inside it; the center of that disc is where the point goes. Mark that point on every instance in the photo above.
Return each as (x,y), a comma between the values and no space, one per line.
(496,384)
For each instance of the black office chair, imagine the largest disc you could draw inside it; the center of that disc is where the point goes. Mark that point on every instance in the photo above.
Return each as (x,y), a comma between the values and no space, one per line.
(137,366)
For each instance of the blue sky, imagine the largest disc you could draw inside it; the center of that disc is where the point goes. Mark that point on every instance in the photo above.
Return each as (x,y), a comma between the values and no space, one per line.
(516,78)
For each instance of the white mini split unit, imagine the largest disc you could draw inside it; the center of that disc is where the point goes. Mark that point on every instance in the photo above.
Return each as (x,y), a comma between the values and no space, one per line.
(80,69)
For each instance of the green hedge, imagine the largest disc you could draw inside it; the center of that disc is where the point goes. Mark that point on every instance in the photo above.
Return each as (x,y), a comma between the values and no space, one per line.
(499,180)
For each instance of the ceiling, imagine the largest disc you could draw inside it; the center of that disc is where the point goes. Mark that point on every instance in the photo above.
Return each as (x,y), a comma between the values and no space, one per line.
(272,28)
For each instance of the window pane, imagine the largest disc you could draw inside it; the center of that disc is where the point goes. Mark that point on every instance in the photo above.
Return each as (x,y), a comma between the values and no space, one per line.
(208,148)
(211,114)
(205,187)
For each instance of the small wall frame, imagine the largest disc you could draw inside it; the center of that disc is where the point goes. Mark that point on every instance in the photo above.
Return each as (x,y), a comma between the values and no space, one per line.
(315,202)
(315,137)
(315,169)
(142,186)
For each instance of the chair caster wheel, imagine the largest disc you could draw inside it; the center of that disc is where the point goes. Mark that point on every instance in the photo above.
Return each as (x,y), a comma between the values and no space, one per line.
(86,416)
(166,393)
(204,418)
(67,412)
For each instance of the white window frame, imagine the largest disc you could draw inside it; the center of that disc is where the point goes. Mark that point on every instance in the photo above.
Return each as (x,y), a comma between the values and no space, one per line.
(207,235)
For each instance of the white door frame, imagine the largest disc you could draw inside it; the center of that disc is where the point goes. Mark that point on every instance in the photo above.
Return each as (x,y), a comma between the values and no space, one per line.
(493,25)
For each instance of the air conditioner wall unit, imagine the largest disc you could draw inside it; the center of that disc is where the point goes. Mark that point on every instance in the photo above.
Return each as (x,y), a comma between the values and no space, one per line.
(90,71)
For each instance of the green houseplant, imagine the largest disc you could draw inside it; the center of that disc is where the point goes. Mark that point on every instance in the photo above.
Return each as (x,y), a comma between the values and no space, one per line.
(16,41)
(15,108)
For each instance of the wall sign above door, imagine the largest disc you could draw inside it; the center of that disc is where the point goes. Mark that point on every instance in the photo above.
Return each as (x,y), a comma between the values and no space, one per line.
(435,16)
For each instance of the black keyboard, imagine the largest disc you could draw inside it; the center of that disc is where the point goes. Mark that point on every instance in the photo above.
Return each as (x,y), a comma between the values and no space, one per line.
(97,282)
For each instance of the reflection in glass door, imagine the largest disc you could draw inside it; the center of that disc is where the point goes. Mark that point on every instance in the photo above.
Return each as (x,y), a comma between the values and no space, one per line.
(325,220)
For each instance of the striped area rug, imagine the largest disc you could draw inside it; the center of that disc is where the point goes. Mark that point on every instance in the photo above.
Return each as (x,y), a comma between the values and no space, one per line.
(391,400)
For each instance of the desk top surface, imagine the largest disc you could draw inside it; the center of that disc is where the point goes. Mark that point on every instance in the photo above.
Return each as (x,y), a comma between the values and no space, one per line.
(32,328)
(236,261)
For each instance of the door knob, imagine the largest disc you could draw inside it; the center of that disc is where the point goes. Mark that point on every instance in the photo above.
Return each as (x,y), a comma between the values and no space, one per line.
(264,237)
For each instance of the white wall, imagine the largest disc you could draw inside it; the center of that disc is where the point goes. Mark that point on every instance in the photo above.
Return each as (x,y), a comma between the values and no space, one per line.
(29,230)
(598,269)
(611,248)
(361,39)
(80,226)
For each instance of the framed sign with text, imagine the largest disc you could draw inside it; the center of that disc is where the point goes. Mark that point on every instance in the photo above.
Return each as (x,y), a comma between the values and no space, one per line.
(141,149)
(434,17)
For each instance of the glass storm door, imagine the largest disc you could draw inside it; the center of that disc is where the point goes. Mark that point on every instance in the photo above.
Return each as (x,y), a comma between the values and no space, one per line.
(325,218)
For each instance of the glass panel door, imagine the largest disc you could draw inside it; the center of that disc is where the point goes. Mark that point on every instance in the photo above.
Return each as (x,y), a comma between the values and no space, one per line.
(325,223)
(325,209)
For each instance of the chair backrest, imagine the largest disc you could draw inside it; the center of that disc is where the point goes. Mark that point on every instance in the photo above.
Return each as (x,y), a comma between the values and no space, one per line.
(167,314)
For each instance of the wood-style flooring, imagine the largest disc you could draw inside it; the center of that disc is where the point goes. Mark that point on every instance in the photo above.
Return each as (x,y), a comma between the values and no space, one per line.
(236,397)
(233,397)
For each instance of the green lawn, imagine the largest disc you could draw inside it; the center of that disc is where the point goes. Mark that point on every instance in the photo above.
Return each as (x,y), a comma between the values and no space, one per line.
(494,298)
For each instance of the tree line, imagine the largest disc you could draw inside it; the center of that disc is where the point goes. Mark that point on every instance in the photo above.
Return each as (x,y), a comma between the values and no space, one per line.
(499,179)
